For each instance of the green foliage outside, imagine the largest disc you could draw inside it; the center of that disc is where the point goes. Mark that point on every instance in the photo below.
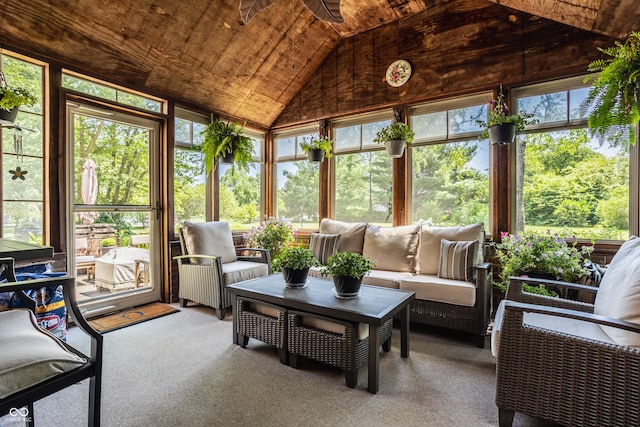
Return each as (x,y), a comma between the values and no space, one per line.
(347,264)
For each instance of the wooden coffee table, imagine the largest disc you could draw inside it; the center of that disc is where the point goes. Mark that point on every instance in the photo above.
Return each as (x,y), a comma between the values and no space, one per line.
(373,306)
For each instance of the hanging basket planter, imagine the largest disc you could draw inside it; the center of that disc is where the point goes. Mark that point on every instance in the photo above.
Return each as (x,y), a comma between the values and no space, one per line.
(395,148)
(502,134)
(316,155)
(227,159)
(9,116)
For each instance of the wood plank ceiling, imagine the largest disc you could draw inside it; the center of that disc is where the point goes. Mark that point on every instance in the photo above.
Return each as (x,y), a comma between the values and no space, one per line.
(199,53)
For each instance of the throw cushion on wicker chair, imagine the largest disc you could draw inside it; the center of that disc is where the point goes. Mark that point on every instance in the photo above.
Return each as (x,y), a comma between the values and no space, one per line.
(458,260)
(213,238)
(30,354)
(618,296)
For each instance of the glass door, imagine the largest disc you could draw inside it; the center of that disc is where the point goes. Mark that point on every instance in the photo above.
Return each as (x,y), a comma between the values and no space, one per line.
(113,172)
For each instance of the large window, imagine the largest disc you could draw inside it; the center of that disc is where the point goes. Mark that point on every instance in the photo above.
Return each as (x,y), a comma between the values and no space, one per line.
(567,181)
(297,180)
(449,165)
(363,171)
(190,184)
(240,188)
(23,181)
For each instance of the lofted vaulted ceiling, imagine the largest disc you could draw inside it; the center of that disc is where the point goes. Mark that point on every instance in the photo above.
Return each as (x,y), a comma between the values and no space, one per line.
(198,52)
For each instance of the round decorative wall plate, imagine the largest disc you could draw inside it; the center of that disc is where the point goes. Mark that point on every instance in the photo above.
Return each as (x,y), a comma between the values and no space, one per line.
(398,73)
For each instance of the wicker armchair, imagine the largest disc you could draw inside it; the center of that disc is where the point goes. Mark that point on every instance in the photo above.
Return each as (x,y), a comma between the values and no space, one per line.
(209,262)
(341,344)
(559,361)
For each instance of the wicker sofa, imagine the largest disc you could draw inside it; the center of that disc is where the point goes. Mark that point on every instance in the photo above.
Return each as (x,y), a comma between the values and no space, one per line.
(452,286)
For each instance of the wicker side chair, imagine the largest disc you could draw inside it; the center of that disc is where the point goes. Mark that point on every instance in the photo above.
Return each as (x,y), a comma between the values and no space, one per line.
(335,342)
(262,321)
(210,261)
(572,362)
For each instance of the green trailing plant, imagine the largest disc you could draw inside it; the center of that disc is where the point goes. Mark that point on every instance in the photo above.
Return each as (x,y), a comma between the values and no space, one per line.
(526,254)
(294,258)
(11,97)
(347,264)
(499,114)
(221,138)
(395,132)
(323,143)
(611,103)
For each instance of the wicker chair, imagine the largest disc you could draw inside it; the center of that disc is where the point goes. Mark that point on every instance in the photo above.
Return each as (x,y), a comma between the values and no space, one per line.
(338,345)
(38,363)
(262,321)
(209,262)
(559,361)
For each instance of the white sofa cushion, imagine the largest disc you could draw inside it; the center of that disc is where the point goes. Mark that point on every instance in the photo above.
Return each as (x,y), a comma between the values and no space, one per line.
(29,355)
(209,238)
(351,234)
(392,248)
(429,250)
(574,327)
(323,246)
(618,296)
(434,288)
(458,260)
(385,279)
(239,271)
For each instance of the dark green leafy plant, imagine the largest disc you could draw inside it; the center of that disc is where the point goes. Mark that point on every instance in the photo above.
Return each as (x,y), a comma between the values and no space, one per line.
(220,139)
(349,264)
(11,97)
(322,143)
(499,115)
(611,99)
(294,258)
(395,132)
(521,254)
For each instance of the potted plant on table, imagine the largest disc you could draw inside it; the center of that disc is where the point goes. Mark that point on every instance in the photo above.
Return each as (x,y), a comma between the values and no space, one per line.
(12,98)
(614,96)
(546,256)
(294,262)
(317,148)
(224,140)
(395,137)
(347,270)
(501,126)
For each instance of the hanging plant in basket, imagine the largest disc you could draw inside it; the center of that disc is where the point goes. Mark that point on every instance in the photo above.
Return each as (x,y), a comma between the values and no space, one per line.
(395,137)
(224,140)
(317,148)
(12,98)
(612,102)
(501,126)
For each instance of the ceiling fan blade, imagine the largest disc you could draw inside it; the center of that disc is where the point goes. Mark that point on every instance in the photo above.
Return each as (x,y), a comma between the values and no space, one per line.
(325,10)
(249,8)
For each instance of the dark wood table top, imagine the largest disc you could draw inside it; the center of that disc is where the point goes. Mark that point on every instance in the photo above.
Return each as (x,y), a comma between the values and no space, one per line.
(21,251)
(374,304)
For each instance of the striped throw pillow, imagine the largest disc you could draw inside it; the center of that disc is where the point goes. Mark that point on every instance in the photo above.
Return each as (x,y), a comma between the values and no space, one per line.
(323,246)
(457,260)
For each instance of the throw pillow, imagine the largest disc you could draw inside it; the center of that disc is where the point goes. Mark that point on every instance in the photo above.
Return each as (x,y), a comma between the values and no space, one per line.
(351,234)
(392,248)
(429,251)
(457,260)
(323,246)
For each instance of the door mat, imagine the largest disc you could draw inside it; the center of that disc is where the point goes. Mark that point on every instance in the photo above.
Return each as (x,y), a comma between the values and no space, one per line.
(131,316)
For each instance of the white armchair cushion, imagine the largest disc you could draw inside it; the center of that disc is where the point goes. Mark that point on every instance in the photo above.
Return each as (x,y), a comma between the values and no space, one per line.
(392,248)
(209,238)
(239,271)
(29,355)
(429,251)
(618,296)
